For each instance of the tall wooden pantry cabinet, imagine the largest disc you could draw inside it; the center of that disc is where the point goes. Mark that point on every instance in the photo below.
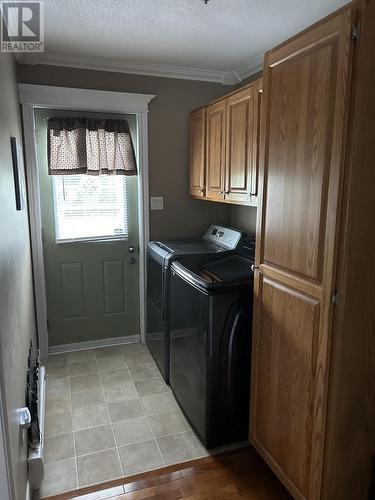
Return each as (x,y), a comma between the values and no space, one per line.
(306,102)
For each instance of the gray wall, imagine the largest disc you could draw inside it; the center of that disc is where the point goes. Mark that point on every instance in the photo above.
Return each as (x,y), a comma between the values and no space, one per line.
(168,141)
(243,218)
(16,296)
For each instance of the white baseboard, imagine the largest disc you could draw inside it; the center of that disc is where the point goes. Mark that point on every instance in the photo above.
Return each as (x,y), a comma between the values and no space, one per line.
(94,344)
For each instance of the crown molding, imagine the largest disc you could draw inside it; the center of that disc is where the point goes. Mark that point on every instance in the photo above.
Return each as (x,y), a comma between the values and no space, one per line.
(131,68)
(224,77)
(250,68)
(230,78)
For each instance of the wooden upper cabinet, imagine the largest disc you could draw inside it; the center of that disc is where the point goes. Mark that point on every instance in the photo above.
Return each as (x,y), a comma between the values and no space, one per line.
(197,152)
(305,103)
(229,170)
(231,144)
(215,150)
(242,133)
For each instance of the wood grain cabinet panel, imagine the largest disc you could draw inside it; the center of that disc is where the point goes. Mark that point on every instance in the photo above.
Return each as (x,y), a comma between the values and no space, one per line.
(229,170)
(215,156)
(289,322)
(241,145)
(197,152)
(303,133)
(301,108)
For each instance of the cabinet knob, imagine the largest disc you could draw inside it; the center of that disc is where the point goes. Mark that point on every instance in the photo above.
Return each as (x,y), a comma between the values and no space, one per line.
(221,192)
(254,268)
(201,190)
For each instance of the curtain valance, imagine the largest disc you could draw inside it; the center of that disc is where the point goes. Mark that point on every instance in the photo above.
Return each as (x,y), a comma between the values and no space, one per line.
(90,146)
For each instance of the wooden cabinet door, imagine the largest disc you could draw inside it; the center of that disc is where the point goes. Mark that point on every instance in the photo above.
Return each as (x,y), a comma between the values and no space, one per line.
(197,152)
(215,150)
(305,100)
(240,145)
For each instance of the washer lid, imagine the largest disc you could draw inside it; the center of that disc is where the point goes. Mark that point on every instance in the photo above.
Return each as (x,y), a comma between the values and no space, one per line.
(167,251)
(217,275)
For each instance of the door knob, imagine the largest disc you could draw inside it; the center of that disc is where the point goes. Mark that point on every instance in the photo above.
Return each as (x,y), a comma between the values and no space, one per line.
(131,249)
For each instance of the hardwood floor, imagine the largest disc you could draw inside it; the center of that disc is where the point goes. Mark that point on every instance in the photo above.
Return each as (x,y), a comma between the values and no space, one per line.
(234,475)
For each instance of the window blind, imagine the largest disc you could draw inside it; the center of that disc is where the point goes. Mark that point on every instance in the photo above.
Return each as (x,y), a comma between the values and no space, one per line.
(90,208)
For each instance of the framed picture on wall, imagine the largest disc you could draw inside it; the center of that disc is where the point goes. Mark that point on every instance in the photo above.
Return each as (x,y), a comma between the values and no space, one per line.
(18,173)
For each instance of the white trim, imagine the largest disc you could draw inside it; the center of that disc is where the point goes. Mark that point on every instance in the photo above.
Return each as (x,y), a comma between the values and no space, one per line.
(230,78)
(43,96)
(250,68)
(161,70)
(143,218)
(35,227)
(94,344)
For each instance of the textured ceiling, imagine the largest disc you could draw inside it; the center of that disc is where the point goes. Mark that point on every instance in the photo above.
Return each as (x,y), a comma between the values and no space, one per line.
(222,36)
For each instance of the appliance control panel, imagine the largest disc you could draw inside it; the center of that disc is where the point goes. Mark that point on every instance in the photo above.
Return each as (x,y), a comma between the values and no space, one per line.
(223,236)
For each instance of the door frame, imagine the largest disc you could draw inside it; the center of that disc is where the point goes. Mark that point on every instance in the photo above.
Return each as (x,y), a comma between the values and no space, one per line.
(78,99)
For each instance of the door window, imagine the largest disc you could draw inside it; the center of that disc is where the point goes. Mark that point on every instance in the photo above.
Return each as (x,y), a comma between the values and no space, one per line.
(90,208)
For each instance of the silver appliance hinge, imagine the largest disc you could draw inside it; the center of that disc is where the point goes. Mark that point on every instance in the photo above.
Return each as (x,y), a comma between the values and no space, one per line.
(335,297)
(355,32)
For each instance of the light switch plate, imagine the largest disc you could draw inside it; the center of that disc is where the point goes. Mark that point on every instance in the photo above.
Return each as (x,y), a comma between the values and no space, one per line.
(157,203)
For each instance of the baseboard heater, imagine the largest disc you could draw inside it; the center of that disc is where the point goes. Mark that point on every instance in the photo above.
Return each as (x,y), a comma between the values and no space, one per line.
(36,452)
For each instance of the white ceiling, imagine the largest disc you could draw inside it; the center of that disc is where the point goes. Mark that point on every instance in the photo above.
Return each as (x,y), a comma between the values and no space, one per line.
(221,41)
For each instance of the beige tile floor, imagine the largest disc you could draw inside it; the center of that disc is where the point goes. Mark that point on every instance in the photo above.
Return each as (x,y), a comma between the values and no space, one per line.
(109,414)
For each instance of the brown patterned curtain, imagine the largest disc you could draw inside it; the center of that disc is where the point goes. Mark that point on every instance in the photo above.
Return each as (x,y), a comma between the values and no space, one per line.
(90,146)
